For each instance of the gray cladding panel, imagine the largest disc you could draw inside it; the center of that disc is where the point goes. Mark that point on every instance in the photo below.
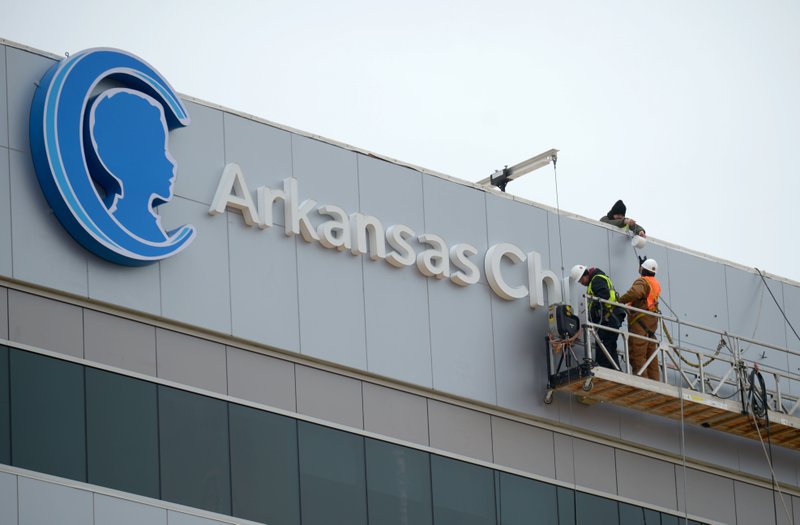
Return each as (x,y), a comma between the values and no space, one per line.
(328,396)
(44,253)
(698,293)
(395,299)
(3,313)
(199,152)
(391,193)
(5,214)
(460,430)
(23,72)
(115,511)
(3,98)
(456,213)
(62,332)
(754,314)
(523,447)
(519,356)
(706,495)
(264,153)
(791,307)
(191,361)
(119,342)
(331,305)
(261,378)
(655,431)
(624,265)
(713,446)
(8,498)
(593,464)
(325,173)
(583,243)
(394,413)
(42,502)
(264,285)
(461,340)
(518,331)
(397,323)
(646,479)
(138,288)
(195,284)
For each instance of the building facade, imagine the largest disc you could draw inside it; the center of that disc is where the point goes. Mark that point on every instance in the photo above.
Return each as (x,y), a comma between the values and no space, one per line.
(346,339)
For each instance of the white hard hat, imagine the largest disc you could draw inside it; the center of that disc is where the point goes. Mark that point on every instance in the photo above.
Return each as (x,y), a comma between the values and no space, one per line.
(577,272)
(650,265)
(637,241)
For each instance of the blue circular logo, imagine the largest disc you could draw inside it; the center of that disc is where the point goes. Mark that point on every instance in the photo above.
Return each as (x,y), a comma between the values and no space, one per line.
(99,131)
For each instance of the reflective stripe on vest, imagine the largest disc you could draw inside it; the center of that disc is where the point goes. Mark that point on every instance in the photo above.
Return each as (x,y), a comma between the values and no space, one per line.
(612,294)
(652,295)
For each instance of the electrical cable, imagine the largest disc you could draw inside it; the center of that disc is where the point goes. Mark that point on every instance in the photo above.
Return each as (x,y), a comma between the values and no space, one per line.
(758,403)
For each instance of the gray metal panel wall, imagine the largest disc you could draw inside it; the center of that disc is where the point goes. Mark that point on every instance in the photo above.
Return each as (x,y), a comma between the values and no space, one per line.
(299,297)
(5,214)
(3,98)
(395,299)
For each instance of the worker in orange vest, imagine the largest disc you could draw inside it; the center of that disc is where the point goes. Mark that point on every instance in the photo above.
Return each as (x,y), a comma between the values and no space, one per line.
(643,294)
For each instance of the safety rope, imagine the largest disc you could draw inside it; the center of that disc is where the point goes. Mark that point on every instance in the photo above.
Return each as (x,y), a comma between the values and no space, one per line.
(722,344)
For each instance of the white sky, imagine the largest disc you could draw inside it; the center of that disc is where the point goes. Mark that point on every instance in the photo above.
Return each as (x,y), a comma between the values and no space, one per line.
(688,111)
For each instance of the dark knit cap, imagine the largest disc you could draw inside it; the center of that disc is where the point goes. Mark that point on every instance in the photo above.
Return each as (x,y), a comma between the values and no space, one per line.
(617,208)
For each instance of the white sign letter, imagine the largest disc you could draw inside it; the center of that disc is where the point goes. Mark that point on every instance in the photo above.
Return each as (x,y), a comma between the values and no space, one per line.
(494,256)
(434,262)
(232,193)
(537,278)
(467,272)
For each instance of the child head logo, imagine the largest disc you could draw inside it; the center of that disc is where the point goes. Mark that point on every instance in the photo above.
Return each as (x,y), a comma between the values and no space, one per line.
(104,163)
(133,163)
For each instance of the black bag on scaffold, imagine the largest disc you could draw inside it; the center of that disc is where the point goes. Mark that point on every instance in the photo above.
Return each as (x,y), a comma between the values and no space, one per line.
(563,324)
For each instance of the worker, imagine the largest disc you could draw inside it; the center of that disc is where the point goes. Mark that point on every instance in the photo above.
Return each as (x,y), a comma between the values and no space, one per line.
(616,217)
(604,314)
(643,294)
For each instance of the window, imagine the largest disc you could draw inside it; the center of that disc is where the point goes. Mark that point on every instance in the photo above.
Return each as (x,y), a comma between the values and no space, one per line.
(195,468)
(264,466)
(48,431)
(463,493)
(122,433)
(522,499)
(398,484)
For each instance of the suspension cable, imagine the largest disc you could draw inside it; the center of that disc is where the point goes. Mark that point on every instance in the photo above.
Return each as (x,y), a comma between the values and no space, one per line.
(778,304)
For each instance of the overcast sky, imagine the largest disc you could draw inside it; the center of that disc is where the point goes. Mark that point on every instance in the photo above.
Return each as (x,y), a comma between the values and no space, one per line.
(688,111)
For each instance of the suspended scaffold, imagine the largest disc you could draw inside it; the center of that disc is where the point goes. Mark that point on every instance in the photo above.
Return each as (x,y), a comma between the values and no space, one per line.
(738,387)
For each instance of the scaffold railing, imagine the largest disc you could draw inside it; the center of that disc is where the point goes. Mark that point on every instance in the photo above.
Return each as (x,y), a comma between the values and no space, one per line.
(718,379)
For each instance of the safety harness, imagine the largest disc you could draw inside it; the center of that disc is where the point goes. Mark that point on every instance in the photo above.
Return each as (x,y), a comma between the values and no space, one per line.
(612,294)
(654,291)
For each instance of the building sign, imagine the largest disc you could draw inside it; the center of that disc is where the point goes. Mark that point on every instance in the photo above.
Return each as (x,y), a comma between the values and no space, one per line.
(397,244)
(102,156)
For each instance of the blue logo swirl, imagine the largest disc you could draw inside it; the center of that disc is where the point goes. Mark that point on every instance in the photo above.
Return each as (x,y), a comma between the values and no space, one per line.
(102,156)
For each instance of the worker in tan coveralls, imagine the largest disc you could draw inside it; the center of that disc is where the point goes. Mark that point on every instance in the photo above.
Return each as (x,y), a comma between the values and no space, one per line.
(643,294)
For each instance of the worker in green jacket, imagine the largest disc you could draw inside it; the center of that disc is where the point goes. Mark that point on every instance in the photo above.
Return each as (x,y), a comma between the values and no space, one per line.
(616,217)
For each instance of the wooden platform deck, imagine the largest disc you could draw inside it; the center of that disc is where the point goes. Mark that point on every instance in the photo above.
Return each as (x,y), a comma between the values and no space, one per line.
(649,396)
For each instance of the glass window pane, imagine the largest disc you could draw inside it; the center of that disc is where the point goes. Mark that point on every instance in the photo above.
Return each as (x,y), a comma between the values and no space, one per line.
(122,432)
(566,506)
(669,519)
(633,515)
(594,509)
(332,476)
(264,468)
(193,432)
(526,501)
(463,494)
(398,484)
(5,408)
(48,430)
